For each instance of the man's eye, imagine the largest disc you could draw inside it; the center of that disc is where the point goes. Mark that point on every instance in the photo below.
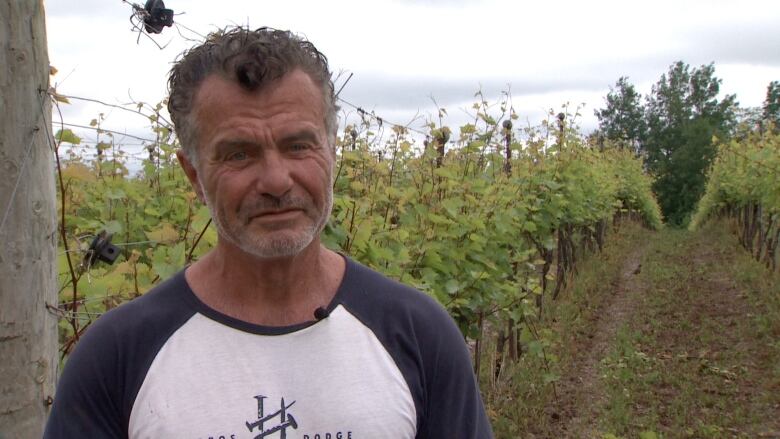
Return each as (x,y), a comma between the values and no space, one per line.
(237,156)
(299,147)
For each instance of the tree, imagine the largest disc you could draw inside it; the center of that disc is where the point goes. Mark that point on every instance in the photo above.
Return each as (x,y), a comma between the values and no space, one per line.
(683,113)
(684,174)
(28,332)
(771,108)
(623,118)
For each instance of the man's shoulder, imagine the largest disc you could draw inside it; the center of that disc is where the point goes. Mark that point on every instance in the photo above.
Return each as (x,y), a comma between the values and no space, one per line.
(374,292)
(426,346)
(151,315)
(402,317)
(98,386)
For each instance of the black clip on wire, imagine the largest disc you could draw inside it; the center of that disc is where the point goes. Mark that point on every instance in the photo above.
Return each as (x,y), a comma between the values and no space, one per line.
(101,249)
(158,17)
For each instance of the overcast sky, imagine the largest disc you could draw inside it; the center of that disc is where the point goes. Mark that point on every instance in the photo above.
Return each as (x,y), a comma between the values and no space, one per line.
(403,53)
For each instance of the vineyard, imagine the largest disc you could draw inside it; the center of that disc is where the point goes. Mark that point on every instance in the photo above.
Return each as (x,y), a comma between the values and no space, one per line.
(620,283)
(495,222)
(491,229)
(492,221)
(744,185)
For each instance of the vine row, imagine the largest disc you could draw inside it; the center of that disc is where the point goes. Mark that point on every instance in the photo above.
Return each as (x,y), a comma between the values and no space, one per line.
(490,221)
(744,186)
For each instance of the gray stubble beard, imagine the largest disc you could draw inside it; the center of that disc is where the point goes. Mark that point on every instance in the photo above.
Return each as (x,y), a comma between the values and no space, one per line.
(270,246)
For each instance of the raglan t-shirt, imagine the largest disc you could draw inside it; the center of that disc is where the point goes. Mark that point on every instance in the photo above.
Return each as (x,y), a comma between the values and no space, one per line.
(384,361)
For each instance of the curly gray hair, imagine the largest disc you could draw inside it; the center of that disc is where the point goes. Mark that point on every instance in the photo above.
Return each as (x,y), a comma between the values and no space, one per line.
(251,58)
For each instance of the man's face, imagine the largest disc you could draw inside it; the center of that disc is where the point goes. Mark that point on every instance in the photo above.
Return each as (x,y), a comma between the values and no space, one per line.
(264,163)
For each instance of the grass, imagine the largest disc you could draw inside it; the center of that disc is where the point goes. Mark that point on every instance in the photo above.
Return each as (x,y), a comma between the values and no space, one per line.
(700,359)
(694,352)
(520,403)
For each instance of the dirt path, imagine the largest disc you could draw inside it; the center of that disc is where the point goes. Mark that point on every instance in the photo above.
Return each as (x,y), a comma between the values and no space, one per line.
(686,345)
(583,398)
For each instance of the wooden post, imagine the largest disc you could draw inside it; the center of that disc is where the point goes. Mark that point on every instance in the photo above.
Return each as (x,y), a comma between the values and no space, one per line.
(508,151)
(442,137)
(28,278)
(561,130)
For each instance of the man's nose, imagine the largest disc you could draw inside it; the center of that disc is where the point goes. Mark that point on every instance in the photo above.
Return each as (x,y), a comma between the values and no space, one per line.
(274,174)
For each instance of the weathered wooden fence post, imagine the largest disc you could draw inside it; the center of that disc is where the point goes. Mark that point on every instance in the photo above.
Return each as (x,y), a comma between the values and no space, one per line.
(28,278)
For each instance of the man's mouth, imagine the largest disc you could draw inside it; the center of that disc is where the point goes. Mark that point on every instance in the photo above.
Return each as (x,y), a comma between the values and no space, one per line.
(275,213)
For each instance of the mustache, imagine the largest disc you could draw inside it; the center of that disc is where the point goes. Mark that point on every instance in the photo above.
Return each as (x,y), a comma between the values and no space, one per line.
(270,203)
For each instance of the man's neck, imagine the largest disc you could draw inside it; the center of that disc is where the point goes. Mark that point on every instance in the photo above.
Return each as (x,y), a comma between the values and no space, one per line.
(272,292)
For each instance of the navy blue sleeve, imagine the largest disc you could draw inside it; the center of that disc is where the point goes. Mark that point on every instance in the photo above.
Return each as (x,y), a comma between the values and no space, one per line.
(454,406)
(103,374)
(88,402)
(428,348)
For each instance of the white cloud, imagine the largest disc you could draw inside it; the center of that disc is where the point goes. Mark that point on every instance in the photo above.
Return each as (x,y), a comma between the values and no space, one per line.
(402,52)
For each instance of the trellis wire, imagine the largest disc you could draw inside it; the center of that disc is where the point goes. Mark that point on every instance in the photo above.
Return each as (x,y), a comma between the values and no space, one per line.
(21,171)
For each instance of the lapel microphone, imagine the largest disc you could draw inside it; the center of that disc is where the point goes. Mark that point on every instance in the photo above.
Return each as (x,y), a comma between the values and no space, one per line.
(321,313)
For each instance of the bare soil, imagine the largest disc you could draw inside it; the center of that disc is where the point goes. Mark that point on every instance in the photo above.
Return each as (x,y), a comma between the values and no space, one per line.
(581,397)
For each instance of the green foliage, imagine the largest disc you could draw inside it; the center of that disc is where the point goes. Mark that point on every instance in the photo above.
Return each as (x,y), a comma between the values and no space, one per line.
(744,184)
(449,218)
(673,131)
(622,120)
(466,232)
(67,136)
(744,172)
(151,214)
(681,178)
(683,114)
(771,107)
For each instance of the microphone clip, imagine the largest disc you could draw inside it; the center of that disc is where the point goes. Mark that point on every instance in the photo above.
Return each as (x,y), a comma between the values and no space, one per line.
(321,313)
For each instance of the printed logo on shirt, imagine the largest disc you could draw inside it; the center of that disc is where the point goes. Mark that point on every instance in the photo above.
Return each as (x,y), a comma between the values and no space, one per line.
(285,420)
(272,423)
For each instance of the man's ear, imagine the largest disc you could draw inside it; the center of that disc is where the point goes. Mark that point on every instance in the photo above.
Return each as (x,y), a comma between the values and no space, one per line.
(192,174)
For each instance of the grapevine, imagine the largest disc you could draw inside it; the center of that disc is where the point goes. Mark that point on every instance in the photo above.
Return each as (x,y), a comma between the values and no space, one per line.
(487,219)
(744,186)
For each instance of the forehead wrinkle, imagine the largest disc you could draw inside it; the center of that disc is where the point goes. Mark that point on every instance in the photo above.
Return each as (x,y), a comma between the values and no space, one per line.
(214,96)
(224,88)
(231,137)
(300,134)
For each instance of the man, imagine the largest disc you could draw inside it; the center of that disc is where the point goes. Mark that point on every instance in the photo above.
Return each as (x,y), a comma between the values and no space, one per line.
(270,334)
